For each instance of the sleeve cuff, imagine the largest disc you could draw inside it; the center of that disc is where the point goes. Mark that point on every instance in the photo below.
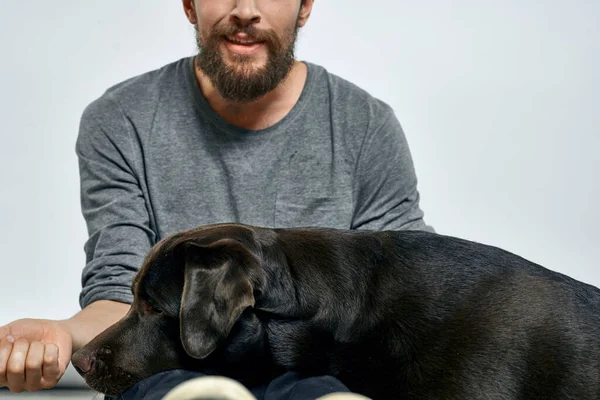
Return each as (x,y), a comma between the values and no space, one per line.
(120,294)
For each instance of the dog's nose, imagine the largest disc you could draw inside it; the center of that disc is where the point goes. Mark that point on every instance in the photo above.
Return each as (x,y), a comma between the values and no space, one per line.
(83,362)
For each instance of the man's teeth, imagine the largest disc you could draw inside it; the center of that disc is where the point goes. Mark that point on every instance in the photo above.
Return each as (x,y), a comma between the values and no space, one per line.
(238,41)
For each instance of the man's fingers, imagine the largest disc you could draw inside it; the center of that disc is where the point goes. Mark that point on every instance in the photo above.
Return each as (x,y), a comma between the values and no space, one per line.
(26,362)
(33,366)
(51,368)
(5,350)
(15,370)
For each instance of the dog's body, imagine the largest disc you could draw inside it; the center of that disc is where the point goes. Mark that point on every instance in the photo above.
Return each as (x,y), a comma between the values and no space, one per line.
(393,315)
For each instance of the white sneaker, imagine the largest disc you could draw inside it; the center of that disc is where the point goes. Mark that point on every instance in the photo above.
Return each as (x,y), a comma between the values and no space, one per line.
(209,388)
(343,396)
(223,388)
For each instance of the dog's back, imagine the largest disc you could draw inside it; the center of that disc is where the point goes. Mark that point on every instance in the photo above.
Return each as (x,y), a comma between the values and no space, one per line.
(507,326)
(418,315)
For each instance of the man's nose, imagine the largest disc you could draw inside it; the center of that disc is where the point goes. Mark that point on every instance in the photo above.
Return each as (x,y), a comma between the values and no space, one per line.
(246,12)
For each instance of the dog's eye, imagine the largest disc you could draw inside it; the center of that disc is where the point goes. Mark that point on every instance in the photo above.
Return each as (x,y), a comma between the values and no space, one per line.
(156,310)
(150,309)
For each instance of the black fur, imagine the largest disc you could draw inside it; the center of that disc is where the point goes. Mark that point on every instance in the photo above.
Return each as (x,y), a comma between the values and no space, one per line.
(393,315)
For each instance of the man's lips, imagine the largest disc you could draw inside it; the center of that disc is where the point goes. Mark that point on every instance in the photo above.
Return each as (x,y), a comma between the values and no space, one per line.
(242,45)
(241,39)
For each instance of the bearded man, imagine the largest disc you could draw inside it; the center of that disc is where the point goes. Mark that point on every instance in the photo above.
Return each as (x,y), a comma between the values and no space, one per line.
(240,132)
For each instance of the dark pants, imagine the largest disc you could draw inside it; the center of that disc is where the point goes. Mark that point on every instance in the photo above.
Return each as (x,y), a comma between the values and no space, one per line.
(286,387)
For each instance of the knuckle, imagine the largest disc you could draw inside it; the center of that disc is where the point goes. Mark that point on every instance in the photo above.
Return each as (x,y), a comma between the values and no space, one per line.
(15,369)
(52,347)
(49,359)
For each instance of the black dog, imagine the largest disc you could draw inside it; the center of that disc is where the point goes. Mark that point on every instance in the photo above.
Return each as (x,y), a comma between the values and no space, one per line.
(393,315)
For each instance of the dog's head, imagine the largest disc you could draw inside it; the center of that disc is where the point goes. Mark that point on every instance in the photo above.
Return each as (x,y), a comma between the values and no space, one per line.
(190,292)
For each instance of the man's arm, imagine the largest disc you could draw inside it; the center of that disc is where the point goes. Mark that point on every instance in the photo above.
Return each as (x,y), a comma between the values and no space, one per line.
(116,217)
(385,181)
(114,206)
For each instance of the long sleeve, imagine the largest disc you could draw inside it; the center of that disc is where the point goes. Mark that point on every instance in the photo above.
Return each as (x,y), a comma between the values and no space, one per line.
(113,204)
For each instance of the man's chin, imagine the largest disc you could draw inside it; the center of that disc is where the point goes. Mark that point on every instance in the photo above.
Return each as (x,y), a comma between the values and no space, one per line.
(242,78)
(245,65)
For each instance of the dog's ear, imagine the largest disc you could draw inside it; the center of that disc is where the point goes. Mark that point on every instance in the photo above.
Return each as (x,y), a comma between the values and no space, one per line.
(217,289)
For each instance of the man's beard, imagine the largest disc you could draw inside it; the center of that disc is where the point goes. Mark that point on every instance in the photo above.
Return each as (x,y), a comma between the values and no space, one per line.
(242,82)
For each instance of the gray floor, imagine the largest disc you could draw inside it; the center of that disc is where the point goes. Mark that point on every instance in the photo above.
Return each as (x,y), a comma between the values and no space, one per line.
(54,394)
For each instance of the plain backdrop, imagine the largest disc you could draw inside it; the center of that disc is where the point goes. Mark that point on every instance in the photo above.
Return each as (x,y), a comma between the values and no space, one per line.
(500,102)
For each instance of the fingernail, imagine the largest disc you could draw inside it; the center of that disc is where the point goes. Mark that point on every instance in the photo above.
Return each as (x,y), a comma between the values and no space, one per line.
(10,339)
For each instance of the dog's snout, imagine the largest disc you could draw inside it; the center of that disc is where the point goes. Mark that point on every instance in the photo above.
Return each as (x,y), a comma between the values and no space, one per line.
(83,362)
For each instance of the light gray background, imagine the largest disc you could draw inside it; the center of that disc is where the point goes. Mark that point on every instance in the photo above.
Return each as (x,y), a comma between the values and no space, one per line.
(499,100)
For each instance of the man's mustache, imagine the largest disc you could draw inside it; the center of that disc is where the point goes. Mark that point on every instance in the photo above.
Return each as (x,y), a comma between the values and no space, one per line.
(253,33)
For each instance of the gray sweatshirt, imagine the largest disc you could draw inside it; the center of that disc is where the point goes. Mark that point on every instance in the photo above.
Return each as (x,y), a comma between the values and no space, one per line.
(155,159)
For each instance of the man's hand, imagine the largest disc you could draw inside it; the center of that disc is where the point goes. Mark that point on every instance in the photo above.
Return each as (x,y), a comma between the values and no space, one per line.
(34,354)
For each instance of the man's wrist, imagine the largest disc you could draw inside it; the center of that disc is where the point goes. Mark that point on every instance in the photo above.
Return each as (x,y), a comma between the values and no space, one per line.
(92,320)
(69,326)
